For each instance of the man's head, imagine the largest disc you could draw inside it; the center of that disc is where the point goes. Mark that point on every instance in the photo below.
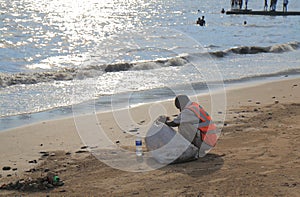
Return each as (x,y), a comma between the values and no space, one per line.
(181,101)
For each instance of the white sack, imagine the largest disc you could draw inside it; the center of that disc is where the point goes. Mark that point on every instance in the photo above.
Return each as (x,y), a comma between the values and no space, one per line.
(168,146)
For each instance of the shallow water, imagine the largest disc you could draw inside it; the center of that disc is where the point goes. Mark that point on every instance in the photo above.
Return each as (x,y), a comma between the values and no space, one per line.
(54,54)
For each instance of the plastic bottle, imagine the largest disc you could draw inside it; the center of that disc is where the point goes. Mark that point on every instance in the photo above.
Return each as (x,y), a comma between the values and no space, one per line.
(138,146)
(55,179)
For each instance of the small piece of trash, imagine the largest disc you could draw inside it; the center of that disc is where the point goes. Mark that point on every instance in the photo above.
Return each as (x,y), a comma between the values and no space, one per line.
(134,130)
(84,147)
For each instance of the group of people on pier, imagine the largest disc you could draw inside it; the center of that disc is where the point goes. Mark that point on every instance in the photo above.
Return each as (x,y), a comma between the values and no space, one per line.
(238,4)
(273,4)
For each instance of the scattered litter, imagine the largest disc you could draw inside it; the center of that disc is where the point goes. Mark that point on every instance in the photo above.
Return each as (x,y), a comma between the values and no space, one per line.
(44,154)
(32,161)
(44,183)
(6,168)
(134,130)
(52,154)
(81,151)
(31,170)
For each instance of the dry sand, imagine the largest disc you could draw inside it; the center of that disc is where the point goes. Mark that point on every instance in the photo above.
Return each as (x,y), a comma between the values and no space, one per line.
(256,155)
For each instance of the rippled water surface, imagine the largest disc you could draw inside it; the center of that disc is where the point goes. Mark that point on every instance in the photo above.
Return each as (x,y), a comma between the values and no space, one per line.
(58,53)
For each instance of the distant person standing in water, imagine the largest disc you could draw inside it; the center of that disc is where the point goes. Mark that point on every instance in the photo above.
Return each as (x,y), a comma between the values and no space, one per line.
(246,4)
(201,21)
(285,3)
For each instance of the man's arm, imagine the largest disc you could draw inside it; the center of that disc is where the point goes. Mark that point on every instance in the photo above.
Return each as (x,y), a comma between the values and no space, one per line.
(172,124)
(175,122)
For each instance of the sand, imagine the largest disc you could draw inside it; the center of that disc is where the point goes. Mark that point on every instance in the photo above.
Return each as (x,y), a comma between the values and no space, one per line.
(256,155)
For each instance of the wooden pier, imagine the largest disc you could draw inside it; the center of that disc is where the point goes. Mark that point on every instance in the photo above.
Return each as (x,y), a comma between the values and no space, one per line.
(266,13)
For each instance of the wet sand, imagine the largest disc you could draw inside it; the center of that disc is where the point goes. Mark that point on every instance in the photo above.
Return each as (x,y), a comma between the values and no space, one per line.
(256,155)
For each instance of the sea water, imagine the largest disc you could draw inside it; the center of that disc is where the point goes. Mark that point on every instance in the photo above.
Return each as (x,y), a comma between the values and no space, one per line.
(57,54)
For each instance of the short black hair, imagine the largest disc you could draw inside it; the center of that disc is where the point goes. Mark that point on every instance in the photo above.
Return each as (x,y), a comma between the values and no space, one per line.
(181,101)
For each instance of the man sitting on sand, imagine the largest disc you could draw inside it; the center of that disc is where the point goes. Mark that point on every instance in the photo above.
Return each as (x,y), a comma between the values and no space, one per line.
(194,124)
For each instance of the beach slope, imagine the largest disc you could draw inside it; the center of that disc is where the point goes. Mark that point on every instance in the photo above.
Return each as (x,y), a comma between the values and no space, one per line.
(256,155)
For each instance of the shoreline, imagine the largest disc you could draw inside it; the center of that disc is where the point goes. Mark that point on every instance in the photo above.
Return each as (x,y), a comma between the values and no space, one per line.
(16,121)
(258,140)
(54,129)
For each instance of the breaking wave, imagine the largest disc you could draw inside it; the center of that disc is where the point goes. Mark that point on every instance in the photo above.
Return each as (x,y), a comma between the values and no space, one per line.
(242,50)
(67,74)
